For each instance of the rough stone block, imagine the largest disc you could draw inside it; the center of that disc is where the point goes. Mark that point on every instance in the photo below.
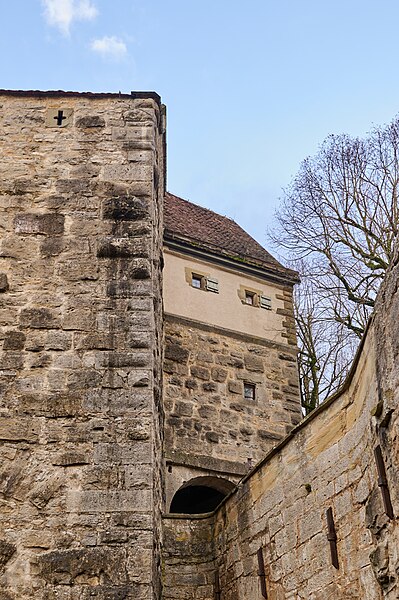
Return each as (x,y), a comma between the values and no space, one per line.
(98,501)
(52,246)
(253,363)
(84,566)
(114,247)
(19,430)
(46,224)
(200,372)
(90,122)
(219,374)
(235,387)
(126,208)
(14,340)
(38,318)
(176,353)
(11,360)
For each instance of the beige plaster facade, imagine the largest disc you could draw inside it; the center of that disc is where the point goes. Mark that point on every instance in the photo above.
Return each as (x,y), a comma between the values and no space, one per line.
(226,308)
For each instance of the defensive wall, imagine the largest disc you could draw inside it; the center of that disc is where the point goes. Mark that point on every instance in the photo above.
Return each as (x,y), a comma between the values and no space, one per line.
(81,189)
(316,519)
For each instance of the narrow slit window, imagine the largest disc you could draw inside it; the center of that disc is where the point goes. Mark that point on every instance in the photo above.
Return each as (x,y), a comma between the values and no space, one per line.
(249,391)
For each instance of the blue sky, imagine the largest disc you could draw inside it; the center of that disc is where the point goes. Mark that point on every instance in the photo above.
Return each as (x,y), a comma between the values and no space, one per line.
(251,88)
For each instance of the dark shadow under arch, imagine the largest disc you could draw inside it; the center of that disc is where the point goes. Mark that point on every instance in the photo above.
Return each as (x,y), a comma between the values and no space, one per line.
(200,495)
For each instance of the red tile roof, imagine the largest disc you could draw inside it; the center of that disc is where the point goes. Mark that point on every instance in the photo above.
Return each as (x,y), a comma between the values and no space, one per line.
(201,227)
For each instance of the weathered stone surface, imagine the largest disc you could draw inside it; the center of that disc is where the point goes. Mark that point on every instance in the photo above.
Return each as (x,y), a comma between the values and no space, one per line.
(123,248)
(14,340)
(326,463)
(83,566)
(38,318)
(19,430)
(6,552)
(90,121)
(48,224)
(80,351)
(125,208)
(208,415)
(176,353)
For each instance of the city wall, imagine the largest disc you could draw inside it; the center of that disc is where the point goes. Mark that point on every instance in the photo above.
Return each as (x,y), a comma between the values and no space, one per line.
(81,188)
(273,536)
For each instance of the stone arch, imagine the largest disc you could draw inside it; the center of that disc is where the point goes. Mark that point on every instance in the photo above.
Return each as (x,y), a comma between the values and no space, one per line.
(200,495)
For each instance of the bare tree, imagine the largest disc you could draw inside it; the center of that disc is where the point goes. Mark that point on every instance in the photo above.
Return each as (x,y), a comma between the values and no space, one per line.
(326,347)
(340,217)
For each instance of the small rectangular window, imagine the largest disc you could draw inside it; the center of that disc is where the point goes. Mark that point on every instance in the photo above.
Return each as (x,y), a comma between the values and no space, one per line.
(249,391)
(196,281)
(249,298)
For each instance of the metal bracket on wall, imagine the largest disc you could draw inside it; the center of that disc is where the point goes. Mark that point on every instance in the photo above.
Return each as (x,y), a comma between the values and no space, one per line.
(262,573)
(218,593)
(383,482)
(332,538)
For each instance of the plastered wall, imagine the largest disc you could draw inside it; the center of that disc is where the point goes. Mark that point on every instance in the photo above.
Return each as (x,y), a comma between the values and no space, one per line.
(226,309)
(327,462)
(80,330)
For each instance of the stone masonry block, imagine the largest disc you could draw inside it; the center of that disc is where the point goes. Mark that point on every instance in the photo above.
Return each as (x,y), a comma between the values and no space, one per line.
(200,373)
(113,247)
(253,363)
(14,340)
(66,567)
(176,353)
(90,122)
(38,318)
(125,208)
(19,430)
(46,224)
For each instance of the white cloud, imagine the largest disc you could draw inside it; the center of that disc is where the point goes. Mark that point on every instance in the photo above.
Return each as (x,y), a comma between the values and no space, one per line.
(61,13)
(110,46)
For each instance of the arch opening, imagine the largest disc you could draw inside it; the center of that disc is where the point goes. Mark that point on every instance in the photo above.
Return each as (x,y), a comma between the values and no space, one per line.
(200,495)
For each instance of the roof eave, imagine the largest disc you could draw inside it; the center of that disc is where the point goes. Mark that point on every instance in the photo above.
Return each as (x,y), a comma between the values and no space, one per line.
(217,256)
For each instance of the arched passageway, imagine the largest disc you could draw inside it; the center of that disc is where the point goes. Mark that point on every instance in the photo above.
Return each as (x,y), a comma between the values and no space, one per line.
(200,495)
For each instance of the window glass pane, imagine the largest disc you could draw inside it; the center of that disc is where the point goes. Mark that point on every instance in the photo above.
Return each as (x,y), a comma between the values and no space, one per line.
(196,281)
(249,298)
(249,391)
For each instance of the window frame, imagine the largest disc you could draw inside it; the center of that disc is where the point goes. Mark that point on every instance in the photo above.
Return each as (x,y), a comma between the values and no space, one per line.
(249,385)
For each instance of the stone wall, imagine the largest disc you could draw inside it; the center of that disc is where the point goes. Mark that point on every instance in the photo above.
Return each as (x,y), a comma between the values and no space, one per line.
(188,561)
(80,328)
(326,464)
(209,424)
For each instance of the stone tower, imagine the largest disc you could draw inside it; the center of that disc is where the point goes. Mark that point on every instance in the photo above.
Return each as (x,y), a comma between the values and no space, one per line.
(81,184)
